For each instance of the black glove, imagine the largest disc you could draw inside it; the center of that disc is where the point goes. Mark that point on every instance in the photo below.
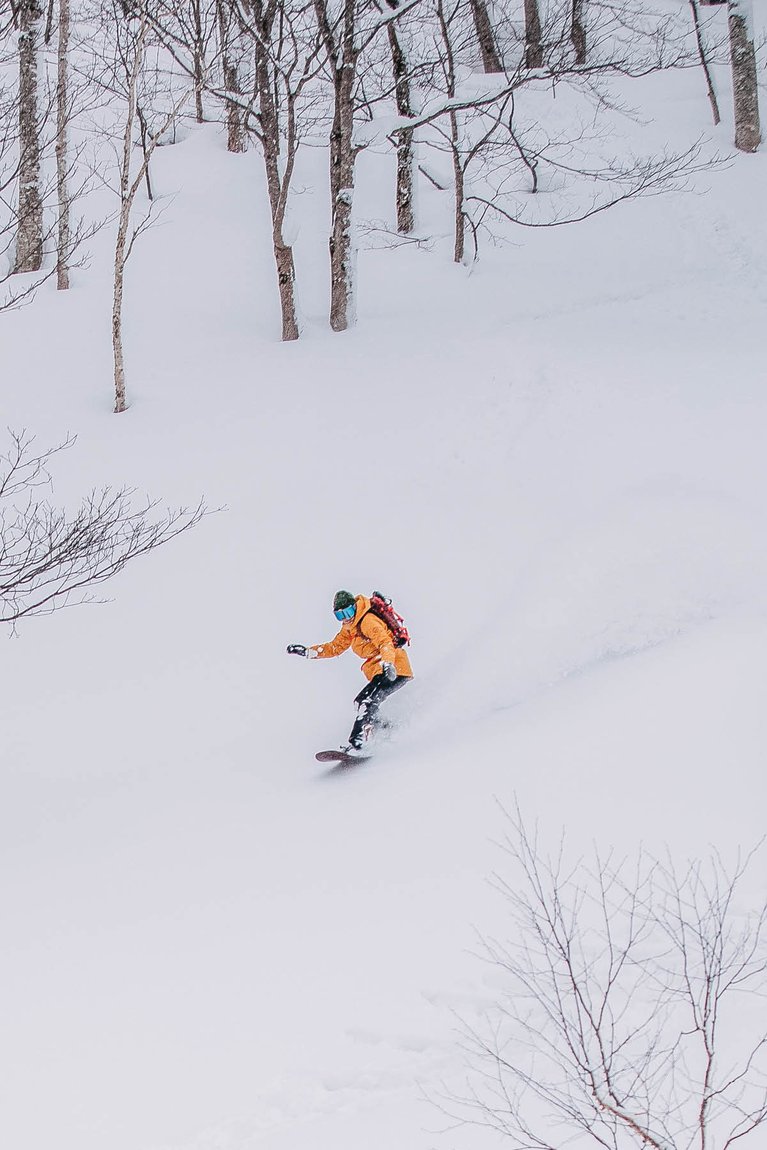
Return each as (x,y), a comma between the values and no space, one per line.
(297,649)
(390,671)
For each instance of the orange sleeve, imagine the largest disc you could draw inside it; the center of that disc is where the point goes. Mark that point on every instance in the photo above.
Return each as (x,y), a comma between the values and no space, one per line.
(379,634)
(342,642)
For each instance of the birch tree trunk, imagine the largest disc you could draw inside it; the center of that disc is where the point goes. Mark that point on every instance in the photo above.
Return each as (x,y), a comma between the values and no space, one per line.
(533,43)
(459,179)
(342,162)
(29,241)
(278,183)
(342,57)
(199,61)
(117,306)
(235,134)
(459,248)
(128,189)
(578,30)
(744,79)
(62,150)
(406,168)
(703,57)
(123,223)
(491,61)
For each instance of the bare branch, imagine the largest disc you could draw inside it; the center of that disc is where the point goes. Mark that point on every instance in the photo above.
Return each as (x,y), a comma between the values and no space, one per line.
(50,557)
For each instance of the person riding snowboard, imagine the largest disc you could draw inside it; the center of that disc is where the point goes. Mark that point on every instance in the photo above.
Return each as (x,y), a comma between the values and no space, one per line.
(386,667)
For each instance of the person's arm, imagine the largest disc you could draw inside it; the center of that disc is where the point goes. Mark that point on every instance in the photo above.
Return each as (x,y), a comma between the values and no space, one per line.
(342,642)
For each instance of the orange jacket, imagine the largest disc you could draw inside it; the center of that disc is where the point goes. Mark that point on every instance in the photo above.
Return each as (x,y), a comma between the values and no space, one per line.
(370,639)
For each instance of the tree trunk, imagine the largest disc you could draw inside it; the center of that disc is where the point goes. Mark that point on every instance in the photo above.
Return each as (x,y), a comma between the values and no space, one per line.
(126,202)
(143,130)
(744,80)
(459,176)
(704,62)
(343,55)
(342,162)
(235,133)
(533,43)
(406,168)
(117,305)
(29,243)
(459,249)
(277,183)
(128,191)
(62,150)
(127,194)
(286,276)
(491,61)
(406,177)
(199,62)
(578,30)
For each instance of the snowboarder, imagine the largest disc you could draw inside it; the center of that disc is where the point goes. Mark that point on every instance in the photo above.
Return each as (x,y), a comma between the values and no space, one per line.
(385,666)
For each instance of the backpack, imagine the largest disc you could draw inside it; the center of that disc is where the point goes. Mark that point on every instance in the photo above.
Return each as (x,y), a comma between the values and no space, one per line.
(382,608)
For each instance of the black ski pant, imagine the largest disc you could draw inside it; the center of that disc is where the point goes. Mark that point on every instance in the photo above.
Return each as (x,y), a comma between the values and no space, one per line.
(368,704)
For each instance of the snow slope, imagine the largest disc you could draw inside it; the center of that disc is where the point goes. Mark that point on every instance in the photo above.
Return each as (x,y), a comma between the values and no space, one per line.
(211,943)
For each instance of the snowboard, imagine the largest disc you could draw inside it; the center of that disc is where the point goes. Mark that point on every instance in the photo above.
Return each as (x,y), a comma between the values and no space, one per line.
(341,758)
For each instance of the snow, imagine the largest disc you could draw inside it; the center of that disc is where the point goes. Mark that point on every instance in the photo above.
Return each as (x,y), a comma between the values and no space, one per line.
(554,465)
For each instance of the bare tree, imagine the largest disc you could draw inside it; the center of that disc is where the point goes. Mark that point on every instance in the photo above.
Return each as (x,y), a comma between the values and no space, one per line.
(64,239)
(348,29)
(29,243)
(278,65)
(621,1024)
(29,219)
(128,188)
(11,293)
(236,137)
(121,55)
(404,138)
(284,45)
(199,39)
(50,558)
(704,62)
(501,156)
(744,79)
(341,39)
(448,19)
(286,48)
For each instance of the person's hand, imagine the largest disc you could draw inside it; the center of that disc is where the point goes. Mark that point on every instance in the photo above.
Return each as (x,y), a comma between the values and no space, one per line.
(390,671)
(297,649)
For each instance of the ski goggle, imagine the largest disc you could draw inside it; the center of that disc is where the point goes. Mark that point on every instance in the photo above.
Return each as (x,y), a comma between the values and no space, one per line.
(344,613)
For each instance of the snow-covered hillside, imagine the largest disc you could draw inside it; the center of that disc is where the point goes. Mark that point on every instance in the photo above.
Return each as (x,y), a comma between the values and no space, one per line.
(554,464)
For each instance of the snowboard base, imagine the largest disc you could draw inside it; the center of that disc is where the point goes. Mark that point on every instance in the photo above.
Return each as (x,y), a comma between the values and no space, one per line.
(341,757)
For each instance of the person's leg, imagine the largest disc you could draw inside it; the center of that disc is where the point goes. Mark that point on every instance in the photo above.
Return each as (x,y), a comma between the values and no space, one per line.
(368,703)
(387,688)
